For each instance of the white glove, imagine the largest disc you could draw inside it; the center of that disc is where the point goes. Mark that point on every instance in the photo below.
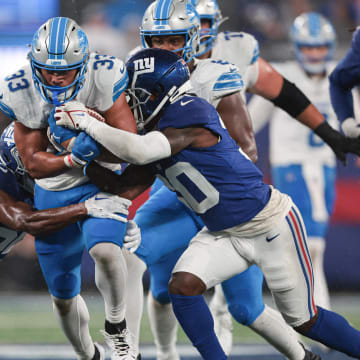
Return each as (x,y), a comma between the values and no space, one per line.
(104,205)
(73,115)
(132,237)
(351,127)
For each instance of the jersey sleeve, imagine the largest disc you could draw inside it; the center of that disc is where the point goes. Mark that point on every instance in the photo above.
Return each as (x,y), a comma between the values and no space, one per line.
(111,80)
(5,101)
(216,79)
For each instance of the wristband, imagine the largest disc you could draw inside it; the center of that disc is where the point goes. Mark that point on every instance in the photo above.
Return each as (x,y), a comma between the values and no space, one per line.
(72,161)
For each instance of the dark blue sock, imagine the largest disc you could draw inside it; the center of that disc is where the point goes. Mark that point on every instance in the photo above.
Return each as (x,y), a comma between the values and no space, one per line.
(332,330)
(195,318)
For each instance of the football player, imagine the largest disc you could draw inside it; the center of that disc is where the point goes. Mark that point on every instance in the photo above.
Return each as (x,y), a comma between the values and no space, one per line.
(61,69)
(17,214)
(246,221)
(302,165)
(208,79)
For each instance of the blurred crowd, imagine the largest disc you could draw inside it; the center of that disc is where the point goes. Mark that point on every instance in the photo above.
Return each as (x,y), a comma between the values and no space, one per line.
(113,25)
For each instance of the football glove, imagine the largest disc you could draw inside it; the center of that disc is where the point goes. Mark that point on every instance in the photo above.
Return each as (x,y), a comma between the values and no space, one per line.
(351,128)
(340,144)
(132,237)
(109,206)
(73,115)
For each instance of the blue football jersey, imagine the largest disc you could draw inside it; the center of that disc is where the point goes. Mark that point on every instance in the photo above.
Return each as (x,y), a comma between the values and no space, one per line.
(220,183)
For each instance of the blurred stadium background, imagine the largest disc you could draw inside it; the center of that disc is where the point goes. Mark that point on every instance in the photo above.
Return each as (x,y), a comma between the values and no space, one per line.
(112,27)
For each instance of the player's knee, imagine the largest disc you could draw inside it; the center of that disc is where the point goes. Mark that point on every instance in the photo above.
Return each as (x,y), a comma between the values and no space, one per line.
(161,296)
(183,283)
(103,253)
(63,306)
(243,313)
(306,326)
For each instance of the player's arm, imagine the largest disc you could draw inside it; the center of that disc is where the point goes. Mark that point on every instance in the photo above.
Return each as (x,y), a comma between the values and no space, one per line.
(345,76)
(236,118)
(118,116)
(286,95)
(32,145)
(20,216)
(130,184)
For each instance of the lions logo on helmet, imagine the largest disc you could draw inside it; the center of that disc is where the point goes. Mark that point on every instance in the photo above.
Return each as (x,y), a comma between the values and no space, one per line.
(172,17)
(60,45)
(313,30)
(156,78)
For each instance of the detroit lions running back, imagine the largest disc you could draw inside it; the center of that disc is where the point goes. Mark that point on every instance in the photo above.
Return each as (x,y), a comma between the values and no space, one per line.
(62,68)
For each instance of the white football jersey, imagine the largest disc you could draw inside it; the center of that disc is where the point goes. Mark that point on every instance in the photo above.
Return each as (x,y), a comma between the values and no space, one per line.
(105,79)
(290,141)
(240,49)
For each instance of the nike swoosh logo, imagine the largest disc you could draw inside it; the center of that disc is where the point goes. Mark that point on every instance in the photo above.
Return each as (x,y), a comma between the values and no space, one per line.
(98,198)
(183,103)
(91,153)
(56,137)
(272,238)
(80,114)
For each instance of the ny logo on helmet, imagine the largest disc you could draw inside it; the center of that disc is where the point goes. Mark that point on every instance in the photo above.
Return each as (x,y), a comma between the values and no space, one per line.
(144,65)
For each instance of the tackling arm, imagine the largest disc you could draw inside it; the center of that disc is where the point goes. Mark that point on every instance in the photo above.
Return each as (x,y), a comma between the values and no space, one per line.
(19,216)
(236,118)
(130,184)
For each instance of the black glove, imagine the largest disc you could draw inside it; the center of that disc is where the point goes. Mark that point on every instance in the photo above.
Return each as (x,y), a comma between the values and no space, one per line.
(340,144)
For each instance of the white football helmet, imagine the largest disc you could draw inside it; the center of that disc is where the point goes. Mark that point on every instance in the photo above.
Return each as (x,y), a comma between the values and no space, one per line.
(172,17)
(59,44)
(313,30)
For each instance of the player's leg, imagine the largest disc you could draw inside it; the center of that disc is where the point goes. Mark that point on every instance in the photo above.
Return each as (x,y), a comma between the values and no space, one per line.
(162,318)
(243,294)
(291,283)
(207,261)
(134,294)
(166,227)
(312,188)
(104,239)
(60,260)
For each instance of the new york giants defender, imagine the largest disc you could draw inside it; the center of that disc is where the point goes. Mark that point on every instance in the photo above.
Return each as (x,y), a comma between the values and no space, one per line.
(245,305)
(17,214)
(302,165)
(167,225)
(246,221)
(62,68)
(343,80)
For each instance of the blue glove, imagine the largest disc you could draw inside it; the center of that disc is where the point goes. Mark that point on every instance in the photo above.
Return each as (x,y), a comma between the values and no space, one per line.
(58,133)
(85,148)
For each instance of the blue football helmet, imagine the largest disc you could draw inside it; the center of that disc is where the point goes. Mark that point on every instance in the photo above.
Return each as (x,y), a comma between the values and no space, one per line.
(313,30)
(209,10)
(60,45)
(156,78)
(172,17)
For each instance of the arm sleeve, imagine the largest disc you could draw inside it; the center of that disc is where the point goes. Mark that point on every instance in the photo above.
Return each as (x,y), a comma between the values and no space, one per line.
(132,148)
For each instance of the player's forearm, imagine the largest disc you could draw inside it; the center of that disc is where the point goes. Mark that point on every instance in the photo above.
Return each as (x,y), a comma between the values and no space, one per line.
(43,164)
(47,221)
(132,148)
(125,185)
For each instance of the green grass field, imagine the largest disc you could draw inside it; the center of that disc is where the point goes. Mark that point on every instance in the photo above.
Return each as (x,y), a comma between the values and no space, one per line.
(28,319)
